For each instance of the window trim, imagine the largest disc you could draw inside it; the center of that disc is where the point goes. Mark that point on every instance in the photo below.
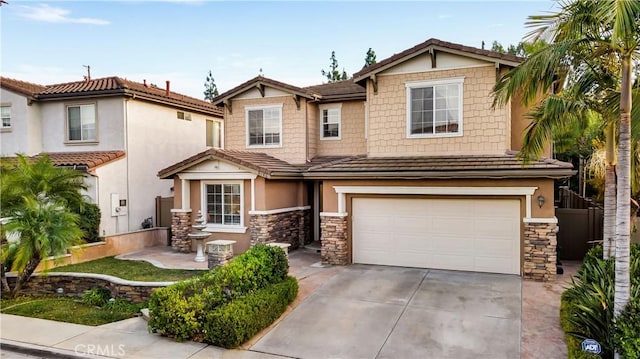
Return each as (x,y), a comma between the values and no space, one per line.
(421,84)
(262,107)
(221,123)
(326,108)
(66,124)
(10,127)
(223,228)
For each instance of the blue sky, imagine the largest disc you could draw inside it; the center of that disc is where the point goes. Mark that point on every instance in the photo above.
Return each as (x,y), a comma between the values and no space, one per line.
(50,41)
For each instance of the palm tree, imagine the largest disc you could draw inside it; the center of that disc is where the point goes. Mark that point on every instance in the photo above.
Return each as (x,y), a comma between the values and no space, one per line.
(582,31)
(38,198)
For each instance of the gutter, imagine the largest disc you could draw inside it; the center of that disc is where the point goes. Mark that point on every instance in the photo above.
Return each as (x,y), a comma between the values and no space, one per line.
(500,174)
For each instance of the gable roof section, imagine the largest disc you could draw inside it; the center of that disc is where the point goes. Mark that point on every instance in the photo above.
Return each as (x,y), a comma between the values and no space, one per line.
(90,159)
(260,163)
(339,91)
(261,81)
(22,87)
(113,86)
(480,166)
(436,44)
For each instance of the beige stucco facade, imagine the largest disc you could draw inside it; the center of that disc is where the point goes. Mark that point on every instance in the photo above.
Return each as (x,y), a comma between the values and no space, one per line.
(485,130)
(352,130)
(25,134)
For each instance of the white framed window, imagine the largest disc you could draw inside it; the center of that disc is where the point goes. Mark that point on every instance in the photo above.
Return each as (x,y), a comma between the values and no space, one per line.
(434,108)
(82,123)
(5,115)
(264,126)
(214,134)
(331,122)
(223,205)
(181,115)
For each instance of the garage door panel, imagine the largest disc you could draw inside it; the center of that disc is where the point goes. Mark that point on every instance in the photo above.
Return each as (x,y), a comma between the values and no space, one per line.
(459,234)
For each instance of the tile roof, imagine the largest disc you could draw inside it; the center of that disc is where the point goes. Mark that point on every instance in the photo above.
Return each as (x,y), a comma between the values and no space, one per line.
(117,85)
(480,166)
(437,43)
(339,90)
(91,159)
(23,87)
(261,80)
(263,164)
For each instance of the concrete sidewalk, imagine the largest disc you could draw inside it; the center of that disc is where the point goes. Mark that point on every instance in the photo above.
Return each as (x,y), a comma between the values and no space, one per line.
(131,339)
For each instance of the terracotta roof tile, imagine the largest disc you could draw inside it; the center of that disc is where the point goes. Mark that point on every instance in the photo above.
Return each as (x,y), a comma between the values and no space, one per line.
(90,159)
(23,87)
(439,43)
(117,85)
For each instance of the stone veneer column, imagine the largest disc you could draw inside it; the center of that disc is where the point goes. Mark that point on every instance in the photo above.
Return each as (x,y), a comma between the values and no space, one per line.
(333,236)
(540,255)
(180,228)
(285,227)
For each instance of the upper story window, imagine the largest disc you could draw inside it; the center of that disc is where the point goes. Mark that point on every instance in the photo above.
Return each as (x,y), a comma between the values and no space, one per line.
(81,123)
(5,114)
(434,108)
(330,122)
(264,126)
(181,115)
(214,134)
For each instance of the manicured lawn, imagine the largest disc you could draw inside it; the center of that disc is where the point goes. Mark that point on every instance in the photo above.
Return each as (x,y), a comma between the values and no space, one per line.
(71,310)
(131,270)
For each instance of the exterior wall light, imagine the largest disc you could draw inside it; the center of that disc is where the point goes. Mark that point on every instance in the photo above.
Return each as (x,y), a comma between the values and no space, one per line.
(540,201)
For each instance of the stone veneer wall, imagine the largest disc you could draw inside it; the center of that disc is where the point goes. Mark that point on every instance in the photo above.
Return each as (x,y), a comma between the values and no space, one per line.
(180,228)
(540,255)
(293,227)
(334,240)
(75,284)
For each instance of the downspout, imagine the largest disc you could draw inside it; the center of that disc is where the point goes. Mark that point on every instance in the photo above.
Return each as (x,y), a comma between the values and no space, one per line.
(126,151)
(306,132)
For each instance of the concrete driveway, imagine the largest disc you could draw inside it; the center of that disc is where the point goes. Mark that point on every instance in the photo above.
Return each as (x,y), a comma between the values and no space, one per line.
(392,312)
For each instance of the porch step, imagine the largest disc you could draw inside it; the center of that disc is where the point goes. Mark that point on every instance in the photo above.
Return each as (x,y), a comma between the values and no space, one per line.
(313,246)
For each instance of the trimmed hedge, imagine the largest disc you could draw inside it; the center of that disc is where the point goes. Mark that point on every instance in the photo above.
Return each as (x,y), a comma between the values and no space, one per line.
(234,323)
(182,311)
(586,309)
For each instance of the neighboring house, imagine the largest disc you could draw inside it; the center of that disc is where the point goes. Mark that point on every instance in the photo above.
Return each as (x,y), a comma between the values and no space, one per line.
(119,132)
(407,165)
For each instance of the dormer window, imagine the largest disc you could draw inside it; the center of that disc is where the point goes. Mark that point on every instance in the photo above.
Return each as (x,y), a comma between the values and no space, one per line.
(434,108)
(264,126)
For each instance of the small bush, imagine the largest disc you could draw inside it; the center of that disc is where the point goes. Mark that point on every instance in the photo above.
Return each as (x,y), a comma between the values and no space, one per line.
(98,296)
(238,321)
(90,222)
(181,310)
(628,330)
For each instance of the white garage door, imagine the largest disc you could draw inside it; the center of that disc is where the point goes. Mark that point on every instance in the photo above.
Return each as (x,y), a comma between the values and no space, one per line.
(480,235)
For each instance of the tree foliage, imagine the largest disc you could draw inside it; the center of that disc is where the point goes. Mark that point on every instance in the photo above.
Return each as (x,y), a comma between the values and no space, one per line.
(37,201)
(333,74)
(210,88)
(370,58)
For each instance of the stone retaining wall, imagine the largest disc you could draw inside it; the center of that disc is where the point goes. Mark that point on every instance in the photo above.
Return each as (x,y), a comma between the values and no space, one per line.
(334,240)
(293,227)
(180,228)
(540,251)
(75,284)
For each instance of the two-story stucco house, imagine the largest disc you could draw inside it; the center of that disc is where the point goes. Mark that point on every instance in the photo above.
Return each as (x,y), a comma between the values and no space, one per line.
(407,164)
(119,132)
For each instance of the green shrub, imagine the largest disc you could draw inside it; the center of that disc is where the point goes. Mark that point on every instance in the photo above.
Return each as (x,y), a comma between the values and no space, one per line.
(587,305)
(90,222)
(234,323)
(628,330)
(98,296)
(180,310)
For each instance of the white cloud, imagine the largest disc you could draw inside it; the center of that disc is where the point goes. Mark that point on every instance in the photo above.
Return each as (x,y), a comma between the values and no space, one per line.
(46,13)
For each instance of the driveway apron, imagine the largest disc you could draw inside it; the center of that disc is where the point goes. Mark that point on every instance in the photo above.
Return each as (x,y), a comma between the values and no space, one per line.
(394,312)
